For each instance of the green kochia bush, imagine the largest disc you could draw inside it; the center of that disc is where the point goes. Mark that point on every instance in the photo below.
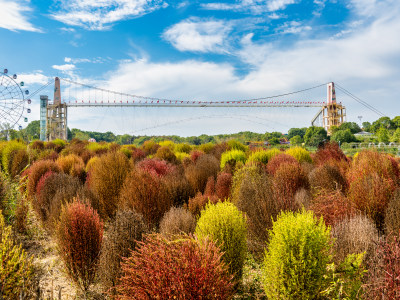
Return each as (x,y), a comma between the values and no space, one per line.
(226,225)
(297,257)
(232,157)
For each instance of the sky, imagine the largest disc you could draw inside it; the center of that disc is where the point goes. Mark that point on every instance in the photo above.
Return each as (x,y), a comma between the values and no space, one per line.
(205,50)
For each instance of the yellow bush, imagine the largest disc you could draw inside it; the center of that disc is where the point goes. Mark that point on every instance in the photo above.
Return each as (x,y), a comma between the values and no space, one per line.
(299,153)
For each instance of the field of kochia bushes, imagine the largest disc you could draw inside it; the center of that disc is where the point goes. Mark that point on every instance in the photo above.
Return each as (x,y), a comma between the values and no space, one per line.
(215,221)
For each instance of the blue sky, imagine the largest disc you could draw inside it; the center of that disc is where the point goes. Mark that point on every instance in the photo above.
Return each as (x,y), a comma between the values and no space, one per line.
(206,50)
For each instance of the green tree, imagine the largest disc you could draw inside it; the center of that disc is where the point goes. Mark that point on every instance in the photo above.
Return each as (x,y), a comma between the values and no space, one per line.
(296,131)
(315,135)
(33,130)
(354,128)
(395,138)
(383,135)
(366,126)
(273,141)
(296,140)
(343,136)
(382,122)
(396,121)
(124,139)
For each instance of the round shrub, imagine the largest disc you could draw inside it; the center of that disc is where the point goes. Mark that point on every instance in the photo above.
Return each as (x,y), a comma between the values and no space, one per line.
(288,179)
(107,177)
(183,148)
(198,173)
(262,156)
(16,269)
(232,157)
(79,238)
(180,156)
(147,194)
(329,151)
(177,220)
(36,171)
(300,154)
(8,153)
(19,162)
(156,166)
(199,201)
(233,144)
(226,226)
(165,153)
(296,257)
(72,165)
(182,269)
(121,236)
(223,185)
(327,178)
(275,162)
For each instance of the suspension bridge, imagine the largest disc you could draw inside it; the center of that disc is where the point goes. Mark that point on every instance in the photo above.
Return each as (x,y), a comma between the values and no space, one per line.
(54,114)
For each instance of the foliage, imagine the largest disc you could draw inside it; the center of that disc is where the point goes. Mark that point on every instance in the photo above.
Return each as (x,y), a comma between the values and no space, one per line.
(226,226)
(36,171)
(183,148)
(275,162)
(392,215)
(147,194)
(165,153)
(223,185)
(352,126)
(383,135)
(296,140)
(8,154)
(121,236)
(19,162)
(181,269)
(288,179)
(262,156)
(296,132)
(72,165)
(234,144)
(297,256)
(199,201)
(177,220)
(328,152)
(356,234)
(327,178)
(180,156)
(197,174)
(232,157)
(156,167)
(343,136)
(300,154)
(16,269)
(107,177)
(79,239)
(315,135)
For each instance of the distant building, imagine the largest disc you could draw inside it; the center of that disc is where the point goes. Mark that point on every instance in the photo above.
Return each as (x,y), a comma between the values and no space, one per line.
(91,140)
(363,134)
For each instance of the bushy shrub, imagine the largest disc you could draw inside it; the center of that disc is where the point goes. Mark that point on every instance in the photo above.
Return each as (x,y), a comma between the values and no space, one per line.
(177,220)
(150,147)
(392,215)
(147,194)
(383,280)
(327,178)
(180,156)
(232,157)
(252,194)
(8,154)
(195,154)
(121,236)
(156,166)
(180,269)
(226,225)
(16,269)
(296,257)
(223,185)
(178,187)
(137,155)
(36,171)
(371,195)
(199,201)
(333,206)
(19,163)
(234,144)
(107,178)
(300,154)
(92,161)
(79,238)
(21,215)
(198,173)
(37,145)
(288,179)
(329,151)
(167,143)
(356,234)
(206,148)
(165,153)
(53,191)
(262,156)
(72,165)
(183,148)
(275,162)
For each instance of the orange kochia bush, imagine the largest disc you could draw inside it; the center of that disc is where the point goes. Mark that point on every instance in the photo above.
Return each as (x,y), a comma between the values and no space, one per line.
(36,171)
(275,162)
(181,269)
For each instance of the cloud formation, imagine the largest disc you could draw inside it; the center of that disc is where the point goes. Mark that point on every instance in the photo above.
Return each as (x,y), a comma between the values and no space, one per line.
(101,14)
(199,35)
(251,6)
(14,16)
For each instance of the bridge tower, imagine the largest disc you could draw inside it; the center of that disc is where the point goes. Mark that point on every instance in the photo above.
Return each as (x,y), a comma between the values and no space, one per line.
(333,113)
(56,116)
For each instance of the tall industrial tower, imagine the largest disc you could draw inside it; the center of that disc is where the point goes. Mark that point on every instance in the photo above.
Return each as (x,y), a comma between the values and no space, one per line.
(56,116)
(333,113)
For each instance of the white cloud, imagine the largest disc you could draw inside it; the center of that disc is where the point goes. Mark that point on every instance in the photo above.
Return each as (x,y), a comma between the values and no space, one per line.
(65,67)
(293,27)
(14,16)
(101,14)
(252,6)
(199,36)
(36,77)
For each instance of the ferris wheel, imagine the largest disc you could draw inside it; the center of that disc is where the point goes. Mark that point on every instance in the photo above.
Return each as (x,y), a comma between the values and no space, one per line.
(12,100)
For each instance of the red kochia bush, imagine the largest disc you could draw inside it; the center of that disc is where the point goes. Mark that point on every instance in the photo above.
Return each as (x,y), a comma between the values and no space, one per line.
(156,167)
(36,171)
(182,269)
(79,238)
(329,151)
(288,179)
(275,162)
(333,206)
(223,186)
